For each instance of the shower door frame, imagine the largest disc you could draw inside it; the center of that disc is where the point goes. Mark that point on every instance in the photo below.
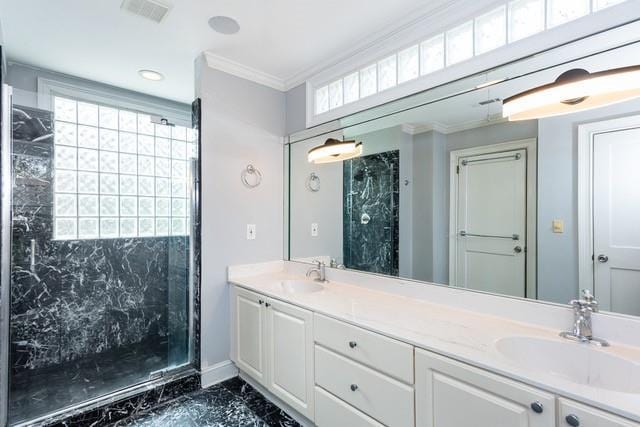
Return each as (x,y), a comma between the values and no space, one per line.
(167,375)
(6,192)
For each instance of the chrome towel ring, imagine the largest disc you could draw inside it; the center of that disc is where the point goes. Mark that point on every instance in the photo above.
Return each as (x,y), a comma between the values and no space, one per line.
(313,182)
(251,177)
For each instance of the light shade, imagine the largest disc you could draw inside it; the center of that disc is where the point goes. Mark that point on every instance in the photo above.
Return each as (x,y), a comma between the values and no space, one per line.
(151,75)
(574,90)
(334,150)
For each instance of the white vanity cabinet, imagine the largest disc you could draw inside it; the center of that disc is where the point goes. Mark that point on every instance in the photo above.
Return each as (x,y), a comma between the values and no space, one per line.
(274,345)
(574,414)
(453,394)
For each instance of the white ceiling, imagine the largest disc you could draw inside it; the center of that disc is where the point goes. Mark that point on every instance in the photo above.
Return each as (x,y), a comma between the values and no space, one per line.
(284,39)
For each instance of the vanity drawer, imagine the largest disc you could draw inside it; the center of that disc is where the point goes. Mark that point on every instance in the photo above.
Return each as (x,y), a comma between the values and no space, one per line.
(333,412)
(573,413)
(384,354)
(381,397)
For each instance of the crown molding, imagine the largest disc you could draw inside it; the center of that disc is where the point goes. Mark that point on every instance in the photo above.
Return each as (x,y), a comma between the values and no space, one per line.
(418,128)
(248,73)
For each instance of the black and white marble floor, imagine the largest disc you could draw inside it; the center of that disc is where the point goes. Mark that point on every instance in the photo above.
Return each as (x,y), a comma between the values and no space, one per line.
(233,403)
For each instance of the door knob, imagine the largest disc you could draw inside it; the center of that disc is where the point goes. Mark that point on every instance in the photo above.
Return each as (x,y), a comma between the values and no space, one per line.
(572,420)
(603,258)
(517,249)
(537,407)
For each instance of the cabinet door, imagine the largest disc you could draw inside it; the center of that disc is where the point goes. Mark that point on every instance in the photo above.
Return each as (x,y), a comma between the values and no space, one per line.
(290,355)
(453,394)
(578,415)
(250,351)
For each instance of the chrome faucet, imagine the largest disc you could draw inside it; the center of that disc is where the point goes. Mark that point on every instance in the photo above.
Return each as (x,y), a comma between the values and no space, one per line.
(320,270)
(582,327)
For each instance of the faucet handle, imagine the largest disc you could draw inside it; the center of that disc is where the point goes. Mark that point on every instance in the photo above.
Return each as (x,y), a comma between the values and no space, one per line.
(588,300)
(587,295)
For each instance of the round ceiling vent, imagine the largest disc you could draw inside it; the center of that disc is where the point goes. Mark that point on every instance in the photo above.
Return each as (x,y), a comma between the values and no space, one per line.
(224,25)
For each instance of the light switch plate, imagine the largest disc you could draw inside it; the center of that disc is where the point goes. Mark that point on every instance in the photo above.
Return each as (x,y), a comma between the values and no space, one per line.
(557,226)
(314,229)
(251,231)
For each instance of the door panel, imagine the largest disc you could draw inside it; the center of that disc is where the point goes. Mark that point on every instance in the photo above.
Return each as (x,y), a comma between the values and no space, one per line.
(250,334)
(491,202)
(290,355)
(616,208)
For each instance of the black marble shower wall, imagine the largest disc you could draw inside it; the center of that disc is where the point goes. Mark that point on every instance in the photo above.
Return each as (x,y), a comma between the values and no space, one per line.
(84,299)
(371,216)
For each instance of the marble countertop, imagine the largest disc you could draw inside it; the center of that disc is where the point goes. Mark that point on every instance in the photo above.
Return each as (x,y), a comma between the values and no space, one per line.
(462,335)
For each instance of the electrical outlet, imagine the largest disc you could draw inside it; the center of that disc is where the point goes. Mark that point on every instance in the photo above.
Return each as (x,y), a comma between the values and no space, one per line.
(314,229)
(251,231)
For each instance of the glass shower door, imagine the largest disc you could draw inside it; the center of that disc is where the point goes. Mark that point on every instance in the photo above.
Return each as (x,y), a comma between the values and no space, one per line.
(100,252)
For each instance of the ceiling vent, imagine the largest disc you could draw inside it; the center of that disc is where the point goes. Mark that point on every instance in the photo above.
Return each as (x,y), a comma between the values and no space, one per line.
(149,9)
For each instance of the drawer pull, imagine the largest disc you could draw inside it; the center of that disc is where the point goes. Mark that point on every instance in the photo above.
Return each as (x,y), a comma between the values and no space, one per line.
(354,387)
(572,420)
(353,344)
(537,407)
(260,302)
(267,305)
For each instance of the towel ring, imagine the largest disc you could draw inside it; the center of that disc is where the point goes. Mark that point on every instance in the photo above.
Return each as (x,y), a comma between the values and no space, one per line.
(250,170)
(313,182)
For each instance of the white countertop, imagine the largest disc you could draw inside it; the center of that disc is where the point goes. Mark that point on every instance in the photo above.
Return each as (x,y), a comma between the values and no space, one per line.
(463,335)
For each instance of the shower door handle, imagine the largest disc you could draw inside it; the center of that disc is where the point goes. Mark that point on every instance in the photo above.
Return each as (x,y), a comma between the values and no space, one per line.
(32,256)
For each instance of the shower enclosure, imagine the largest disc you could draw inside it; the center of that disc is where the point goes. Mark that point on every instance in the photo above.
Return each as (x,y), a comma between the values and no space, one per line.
(371,216)
(100,272)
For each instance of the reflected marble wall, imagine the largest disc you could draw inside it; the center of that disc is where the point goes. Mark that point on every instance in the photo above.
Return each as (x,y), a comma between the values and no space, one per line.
(371,215)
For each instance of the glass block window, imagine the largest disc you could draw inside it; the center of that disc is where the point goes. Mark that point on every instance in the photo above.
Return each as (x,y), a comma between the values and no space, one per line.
(322,100)
(368,81)
(117,174)
(511,21)
(351,88)
(432,55)
(526,18)
(408,64)
(562,11)
(460,43)
(491,30)
(387,73)
(335,95)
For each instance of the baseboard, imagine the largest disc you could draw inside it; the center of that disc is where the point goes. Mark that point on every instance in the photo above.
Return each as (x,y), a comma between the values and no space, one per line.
(217,373)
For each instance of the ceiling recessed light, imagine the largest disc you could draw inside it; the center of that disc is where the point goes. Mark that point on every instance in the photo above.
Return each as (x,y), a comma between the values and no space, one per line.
(151,75)
(224,25)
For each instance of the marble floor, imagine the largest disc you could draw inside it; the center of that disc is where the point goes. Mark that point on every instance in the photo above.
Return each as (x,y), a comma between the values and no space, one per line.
(233,403)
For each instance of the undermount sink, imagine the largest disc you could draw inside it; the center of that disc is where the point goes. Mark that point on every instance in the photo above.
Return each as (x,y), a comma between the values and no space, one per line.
(576,362)
(299,286)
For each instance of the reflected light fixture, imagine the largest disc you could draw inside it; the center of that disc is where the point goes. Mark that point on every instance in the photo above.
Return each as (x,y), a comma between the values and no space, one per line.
(151,75)
(334,150)
(574,90)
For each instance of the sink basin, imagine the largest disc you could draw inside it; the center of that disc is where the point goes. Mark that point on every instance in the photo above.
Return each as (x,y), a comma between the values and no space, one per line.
(576,362)
(299,286)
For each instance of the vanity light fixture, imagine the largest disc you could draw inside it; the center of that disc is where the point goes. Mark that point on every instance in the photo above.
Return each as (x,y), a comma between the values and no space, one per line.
(574,90)
(334,150)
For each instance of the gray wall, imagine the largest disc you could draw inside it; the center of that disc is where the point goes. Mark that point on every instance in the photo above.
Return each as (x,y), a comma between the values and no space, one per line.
(296,105)
(242,122)
(24,79)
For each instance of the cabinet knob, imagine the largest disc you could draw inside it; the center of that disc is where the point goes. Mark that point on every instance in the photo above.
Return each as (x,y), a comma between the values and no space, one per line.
(537,407)
(353,344)
(354,387)
(267,305)
(260,302)
(572,420)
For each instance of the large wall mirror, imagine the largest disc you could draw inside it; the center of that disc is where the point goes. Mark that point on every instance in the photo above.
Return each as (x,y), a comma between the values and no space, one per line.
(450,192)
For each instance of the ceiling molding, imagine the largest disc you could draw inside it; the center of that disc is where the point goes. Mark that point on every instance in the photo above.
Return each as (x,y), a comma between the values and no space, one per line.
(418,128)
(248,73)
